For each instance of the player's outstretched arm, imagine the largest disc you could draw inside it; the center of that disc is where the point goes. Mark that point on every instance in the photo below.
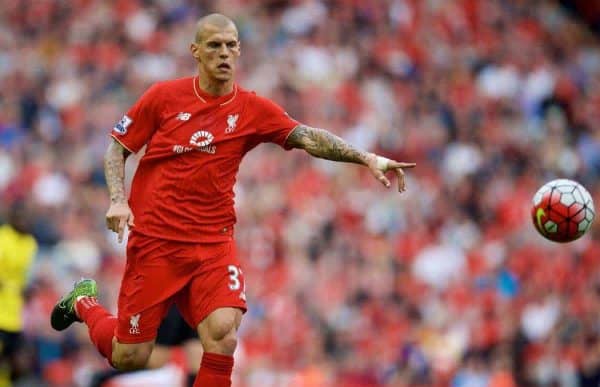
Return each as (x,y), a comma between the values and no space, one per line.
(326,145)
(119,214)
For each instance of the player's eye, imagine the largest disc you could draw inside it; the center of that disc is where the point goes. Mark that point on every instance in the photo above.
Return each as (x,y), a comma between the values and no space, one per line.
(213,45)
(232,44)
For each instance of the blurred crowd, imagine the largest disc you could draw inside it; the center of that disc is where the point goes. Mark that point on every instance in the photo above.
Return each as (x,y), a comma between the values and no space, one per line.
(348,283)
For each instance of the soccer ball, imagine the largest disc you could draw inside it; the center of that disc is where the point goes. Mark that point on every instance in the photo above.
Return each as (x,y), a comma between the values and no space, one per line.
(562,210)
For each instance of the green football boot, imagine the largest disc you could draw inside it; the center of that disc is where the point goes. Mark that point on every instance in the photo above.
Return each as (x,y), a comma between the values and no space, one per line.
(63,313)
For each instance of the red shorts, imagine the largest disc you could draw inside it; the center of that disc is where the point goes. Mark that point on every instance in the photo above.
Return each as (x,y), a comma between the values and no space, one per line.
(197,277)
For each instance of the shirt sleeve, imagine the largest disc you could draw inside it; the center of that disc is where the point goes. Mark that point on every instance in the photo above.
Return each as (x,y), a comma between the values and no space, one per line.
(136,127)
(273,123)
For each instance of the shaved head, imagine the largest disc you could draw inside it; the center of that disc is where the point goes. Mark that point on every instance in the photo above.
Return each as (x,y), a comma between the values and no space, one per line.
(216,49)
(212,22)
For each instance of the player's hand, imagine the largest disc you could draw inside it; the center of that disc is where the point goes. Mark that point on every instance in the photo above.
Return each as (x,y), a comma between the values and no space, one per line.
(117,216)
(380,165)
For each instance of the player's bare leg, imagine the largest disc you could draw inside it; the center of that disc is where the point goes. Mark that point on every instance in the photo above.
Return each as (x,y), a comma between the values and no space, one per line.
(161,355)
(218,334)
(218,331)
(129,357)
(193,356)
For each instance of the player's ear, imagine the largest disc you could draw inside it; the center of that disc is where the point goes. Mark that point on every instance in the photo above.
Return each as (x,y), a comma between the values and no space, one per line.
(195,50)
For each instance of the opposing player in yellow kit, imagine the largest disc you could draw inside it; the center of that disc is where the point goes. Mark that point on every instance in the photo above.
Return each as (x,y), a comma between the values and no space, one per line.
(17,252)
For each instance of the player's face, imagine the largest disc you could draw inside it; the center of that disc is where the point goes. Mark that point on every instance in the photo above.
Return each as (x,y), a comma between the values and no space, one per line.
(217,52)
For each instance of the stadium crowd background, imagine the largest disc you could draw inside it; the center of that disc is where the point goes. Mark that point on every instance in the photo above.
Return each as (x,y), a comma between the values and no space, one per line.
(348,284)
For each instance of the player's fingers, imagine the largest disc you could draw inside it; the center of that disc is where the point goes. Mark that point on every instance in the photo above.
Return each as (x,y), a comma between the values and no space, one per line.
(401,181)
(111,224)
(121,228)
(130,222)
(115,224)
(397,164)
(381,177)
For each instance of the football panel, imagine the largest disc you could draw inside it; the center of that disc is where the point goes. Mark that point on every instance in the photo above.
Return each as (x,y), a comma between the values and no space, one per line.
(577,212)
(546,199)
(558,212)
(567,199)
(562,182)
(583,225)
(585,197)
(589,214)
(578,196)
(584,193)
(561,233)
(572,231)
(554,197)
(537,198)
(550,227)
(564,232)
(565,188)
(590,206)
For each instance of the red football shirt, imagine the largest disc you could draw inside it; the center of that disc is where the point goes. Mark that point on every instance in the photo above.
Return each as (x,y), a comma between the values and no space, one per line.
(183,187)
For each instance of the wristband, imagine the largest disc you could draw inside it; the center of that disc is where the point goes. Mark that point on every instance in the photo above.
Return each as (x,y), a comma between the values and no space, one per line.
(382,163)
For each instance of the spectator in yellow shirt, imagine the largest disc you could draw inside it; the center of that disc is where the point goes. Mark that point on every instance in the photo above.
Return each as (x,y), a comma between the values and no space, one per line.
(17,251)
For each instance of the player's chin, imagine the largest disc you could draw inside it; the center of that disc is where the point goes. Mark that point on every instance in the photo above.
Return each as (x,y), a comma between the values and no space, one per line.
(224,76)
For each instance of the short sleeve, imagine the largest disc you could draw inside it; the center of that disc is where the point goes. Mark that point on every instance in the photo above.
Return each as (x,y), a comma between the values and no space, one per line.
(136,127)
(273,124)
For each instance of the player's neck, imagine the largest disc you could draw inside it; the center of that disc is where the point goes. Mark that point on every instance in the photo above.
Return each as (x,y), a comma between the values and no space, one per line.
(215,87)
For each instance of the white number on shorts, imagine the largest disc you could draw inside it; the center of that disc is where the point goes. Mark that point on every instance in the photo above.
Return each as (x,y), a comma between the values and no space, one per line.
(234,274)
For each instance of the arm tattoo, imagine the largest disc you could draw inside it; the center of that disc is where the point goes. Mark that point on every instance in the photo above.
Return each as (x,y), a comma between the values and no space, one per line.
(323,144)
(114,171)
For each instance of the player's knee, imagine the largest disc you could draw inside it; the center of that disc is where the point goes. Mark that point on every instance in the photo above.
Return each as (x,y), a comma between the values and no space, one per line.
(218,332)
(225,346)
(228,344)
(130,357)
(222,337)
(130,361)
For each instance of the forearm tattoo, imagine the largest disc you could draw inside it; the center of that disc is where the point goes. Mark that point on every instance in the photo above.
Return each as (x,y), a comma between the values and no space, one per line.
(323,144)
(114,171)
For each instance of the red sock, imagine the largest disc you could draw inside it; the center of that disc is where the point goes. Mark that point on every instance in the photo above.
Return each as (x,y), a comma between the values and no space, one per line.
(215,371)
(101,324)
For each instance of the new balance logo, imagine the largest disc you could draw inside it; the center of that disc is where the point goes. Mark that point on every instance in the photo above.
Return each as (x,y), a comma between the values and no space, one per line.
(231,122)
(183,116)
(134,322)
